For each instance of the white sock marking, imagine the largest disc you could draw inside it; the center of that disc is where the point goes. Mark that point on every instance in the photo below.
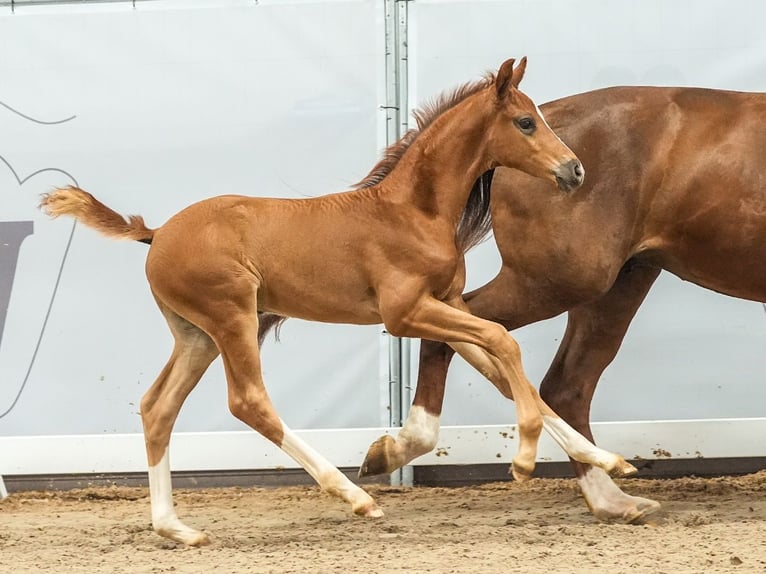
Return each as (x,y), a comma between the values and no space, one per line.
(607,502)
(328,477)
(576,445)
(161,491)
(164,517)
(419,433)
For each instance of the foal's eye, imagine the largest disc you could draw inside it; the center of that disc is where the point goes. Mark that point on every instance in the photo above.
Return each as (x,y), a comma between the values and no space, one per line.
(526,125)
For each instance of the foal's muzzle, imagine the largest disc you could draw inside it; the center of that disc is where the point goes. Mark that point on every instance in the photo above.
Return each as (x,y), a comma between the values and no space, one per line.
(570,175)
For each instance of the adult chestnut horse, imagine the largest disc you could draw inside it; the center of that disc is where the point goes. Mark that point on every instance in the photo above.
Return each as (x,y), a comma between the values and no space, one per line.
(390,251)
(676,182)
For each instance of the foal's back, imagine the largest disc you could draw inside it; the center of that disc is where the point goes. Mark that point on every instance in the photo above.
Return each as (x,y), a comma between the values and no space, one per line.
(319,259)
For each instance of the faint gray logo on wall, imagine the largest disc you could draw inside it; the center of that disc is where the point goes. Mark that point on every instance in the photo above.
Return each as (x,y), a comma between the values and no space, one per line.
(12,235)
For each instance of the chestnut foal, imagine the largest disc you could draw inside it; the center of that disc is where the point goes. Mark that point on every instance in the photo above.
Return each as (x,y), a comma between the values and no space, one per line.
(389,251)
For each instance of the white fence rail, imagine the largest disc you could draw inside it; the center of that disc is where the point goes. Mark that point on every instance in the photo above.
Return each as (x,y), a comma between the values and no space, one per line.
(458,445)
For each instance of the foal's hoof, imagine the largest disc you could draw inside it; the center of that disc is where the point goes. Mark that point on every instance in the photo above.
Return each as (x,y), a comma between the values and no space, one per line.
(521,472)
(380,457)
(622,468)
(185,535)
(368,510)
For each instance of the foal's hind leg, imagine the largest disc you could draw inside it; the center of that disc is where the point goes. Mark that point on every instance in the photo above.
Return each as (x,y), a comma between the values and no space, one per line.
(593,337)
(420,431)
(249,402)
(192,354)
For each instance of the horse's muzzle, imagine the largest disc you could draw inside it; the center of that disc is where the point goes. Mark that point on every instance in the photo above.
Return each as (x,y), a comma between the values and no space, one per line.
(570,175)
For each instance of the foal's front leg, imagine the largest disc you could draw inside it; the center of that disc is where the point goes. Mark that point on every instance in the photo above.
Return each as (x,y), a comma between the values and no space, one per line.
(572,442)
(420,432)
(429,318)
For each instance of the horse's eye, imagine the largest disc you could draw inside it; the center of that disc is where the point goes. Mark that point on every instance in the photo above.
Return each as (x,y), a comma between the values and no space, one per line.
(526,125)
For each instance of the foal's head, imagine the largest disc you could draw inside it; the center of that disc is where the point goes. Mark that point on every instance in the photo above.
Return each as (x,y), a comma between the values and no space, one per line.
(518,135)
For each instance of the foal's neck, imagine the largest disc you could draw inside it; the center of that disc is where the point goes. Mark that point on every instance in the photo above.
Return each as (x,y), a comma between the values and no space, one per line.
(438,170)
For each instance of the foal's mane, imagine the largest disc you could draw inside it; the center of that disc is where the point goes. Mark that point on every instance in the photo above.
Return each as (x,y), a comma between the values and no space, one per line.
(475,223)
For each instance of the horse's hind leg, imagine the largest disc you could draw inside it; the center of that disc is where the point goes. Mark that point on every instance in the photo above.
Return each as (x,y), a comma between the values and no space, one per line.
(420,431)
(249,402)
(593,337)
(192,354)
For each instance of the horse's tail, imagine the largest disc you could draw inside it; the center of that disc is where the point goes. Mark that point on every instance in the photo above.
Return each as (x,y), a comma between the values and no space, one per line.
(81,205)
(476,221)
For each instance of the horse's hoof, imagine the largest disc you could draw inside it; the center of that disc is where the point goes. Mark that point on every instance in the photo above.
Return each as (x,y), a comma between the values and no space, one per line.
(201,540)
(630,510)
(643,513)
(379,458)
(622,468)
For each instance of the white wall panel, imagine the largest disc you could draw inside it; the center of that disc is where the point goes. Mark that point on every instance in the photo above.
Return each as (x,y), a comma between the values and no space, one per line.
(169,103)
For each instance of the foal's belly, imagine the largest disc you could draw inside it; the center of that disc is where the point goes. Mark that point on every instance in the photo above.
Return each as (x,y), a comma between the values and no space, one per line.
(331,298)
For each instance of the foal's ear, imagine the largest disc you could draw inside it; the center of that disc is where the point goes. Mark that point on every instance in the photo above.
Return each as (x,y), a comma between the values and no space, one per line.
(504,78)
(518,72)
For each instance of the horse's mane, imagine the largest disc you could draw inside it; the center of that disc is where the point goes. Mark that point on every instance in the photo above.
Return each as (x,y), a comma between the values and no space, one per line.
(475,223)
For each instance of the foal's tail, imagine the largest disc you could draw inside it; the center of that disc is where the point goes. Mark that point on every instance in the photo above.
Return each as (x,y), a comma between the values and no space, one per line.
(81,205)
(267,322)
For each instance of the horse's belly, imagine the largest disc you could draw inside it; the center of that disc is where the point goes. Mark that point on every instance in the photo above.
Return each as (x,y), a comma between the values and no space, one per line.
(735,269)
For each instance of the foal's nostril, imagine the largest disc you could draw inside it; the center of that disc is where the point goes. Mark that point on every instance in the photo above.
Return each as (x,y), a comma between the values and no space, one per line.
(570,174)
(577,171)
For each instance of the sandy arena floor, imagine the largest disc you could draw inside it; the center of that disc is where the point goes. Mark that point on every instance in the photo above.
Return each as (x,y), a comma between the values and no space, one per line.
(707,525)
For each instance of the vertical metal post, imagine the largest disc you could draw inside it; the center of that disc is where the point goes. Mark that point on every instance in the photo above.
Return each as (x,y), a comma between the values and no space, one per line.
(3,490)
(397,124)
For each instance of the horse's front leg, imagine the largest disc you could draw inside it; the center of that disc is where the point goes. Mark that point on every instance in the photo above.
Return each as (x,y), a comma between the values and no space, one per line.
(420,431)
(593,336)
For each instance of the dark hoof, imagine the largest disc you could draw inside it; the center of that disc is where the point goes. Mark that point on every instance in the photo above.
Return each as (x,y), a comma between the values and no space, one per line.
(379,458)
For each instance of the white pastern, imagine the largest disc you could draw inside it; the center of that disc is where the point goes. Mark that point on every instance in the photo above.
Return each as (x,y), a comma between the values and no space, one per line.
(576,445)
(327,476)
(419,433)
(164,519)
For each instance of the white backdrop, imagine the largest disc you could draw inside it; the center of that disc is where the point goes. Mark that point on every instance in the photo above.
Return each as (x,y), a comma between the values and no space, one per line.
(169,105)
(155,107)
